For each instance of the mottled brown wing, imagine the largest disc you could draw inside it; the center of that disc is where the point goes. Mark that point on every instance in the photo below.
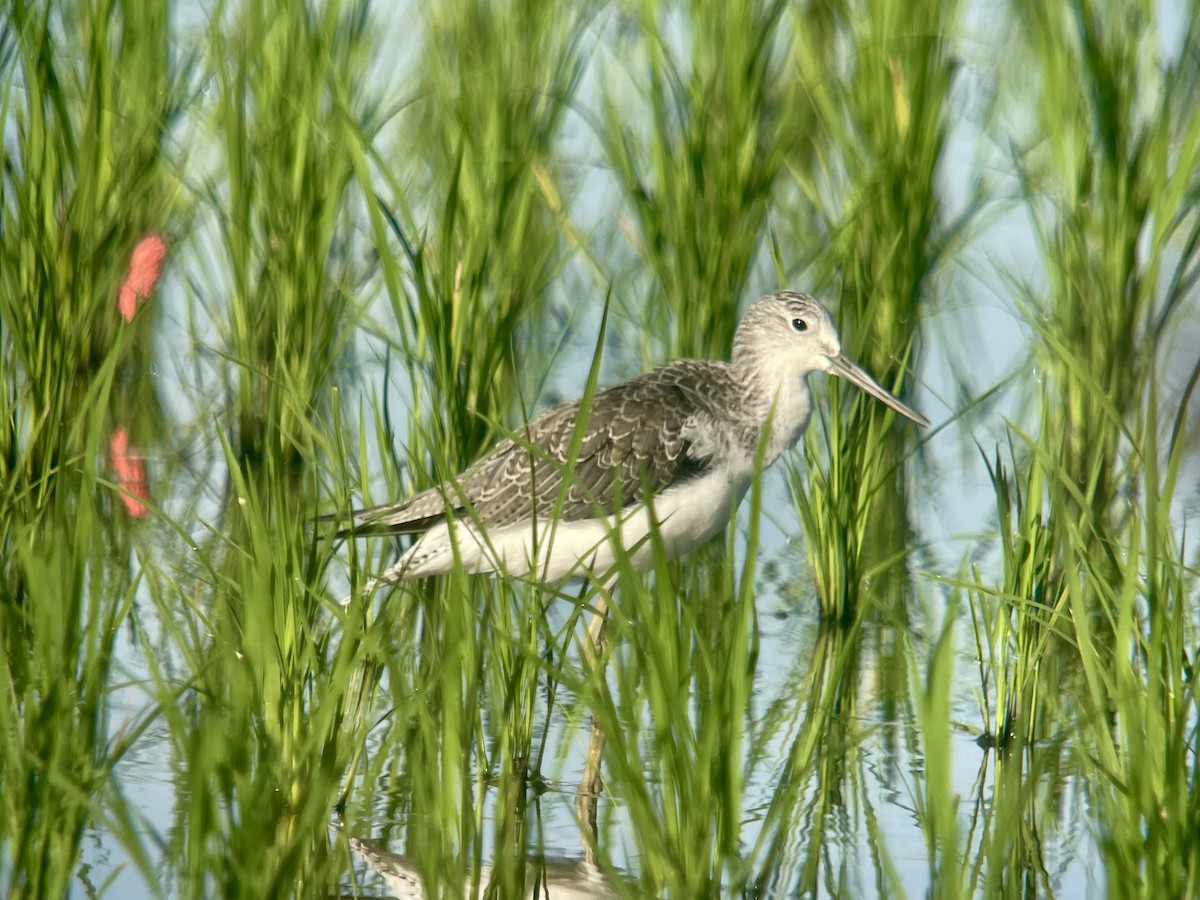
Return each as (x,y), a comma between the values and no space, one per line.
(634,444)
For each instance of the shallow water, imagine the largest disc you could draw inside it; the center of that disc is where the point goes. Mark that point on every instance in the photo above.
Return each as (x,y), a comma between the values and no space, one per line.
(846,703)
(864,800)
(859,814)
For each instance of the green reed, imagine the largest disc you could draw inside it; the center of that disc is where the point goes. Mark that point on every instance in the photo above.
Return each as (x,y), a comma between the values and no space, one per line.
(877,234)
(674,704)
(1086,650)
(429,712)
(1102,323)
(1021,620)
(61,624)
(86,177)
(1086,633)
(273,705)
(697,112)
(265,686)
(479,201)
(838,496)
(1109,182)
(86,106)
(289,113)
(699,170)
(1089,653)
(1135,633)
(486,666)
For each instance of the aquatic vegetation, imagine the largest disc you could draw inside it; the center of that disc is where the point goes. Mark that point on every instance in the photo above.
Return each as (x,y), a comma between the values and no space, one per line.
(956,666)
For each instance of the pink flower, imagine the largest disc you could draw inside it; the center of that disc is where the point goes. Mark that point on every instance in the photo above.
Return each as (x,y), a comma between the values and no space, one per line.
(130,471)
(144,267)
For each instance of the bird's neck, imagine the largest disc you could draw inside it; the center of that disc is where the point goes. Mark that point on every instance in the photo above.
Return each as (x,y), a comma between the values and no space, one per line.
(781,400)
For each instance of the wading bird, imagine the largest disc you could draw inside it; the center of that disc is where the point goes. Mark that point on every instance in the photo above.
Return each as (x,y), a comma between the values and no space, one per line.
(674,449)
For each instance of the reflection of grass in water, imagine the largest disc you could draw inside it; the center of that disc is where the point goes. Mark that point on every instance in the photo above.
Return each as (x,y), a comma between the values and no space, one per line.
(268,690)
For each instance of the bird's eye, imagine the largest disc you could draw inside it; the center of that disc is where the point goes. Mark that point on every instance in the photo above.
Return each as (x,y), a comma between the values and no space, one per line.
(799,325)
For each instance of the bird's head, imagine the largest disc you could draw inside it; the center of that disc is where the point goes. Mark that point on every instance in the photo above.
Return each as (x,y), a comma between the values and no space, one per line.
(789,335)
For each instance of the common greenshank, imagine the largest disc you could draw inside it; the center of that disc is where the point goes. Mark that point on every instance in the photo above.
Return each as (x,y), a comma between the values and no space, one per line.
(675,449)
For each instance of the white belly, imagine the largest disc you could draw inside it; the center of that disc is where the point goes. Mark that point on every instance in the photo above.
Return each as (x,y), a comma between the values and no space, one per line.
(687,517)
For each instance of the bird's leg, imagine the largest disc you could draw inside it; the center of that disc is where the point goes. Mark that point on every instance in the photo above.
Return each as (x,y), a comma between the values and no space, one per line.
(587,797)
(592,783)
(597,631)
(588,794)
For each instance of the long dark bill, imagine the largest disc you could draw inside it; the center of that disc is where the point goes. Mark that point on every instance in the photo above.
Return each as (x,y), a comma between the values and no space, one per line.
(842,367)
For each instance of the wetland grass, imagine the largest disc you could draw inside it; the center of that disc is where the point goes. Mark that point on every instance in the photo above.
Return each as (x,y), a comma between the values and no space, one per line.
(879,228)
(274,708)
(84,177)
(479,225)
(335,211)
(280,192)
(275,703)
(1091,623)
(475,212)
(699,163)
(672,697)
